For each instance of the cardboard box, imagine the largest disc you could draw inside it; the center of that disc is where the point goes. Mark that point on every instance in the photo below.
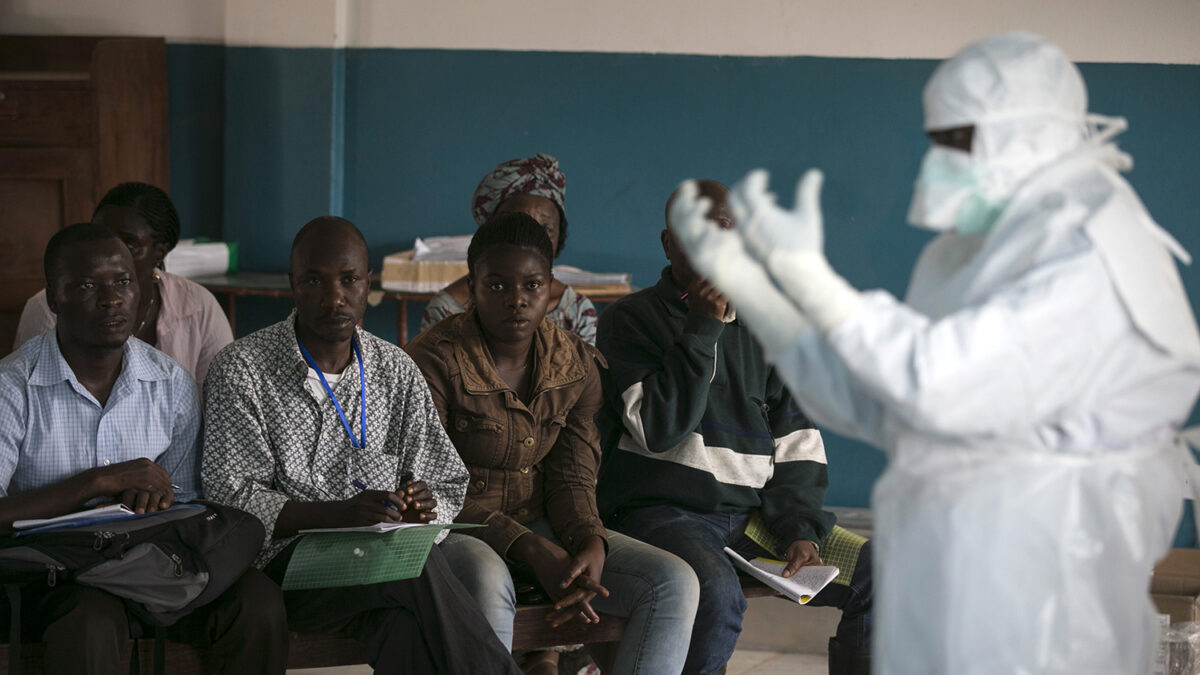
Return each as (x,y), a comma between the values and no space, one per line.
(400,273)
(1175,586)
(1178,607)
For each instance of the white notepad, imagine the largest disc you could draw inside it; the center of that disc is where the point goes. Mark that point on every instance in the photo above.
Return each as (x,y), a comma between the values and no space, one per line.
(801,586)
(108,512)
(377,527)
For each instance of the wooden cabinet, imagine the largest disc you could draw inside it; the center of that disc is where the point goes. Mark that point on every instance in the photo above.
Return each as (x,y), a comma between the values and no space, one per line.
(78,115)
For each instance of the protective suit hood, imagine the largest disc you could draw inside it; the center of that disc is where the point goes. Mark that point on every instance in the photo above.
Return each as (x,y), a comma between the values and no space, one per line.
(1011,75)
(1028,106)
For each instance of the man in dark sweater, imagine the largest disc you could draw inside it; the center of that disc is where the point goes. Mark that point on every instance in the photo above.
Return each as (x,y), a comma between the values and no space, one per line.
(706,439)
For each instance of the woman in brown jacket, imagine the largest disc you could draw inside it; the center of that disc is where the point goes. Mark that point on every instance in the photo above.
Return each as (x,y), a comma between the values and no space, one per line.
(519,396)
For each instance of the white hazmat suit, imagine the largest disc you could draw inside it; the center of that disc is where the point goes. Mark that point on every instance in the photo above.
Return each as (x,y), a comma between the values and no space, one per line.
(1028,391)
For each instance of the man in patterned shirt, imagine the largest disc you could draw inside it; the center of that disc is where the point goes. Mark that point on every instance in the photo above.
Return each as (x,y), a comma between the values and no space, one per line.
(88,414)
(316,423)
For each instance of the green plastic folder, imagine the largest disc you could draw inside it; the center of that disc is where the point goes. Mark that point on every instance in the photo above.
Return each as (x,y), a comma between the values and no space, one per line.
(334,559)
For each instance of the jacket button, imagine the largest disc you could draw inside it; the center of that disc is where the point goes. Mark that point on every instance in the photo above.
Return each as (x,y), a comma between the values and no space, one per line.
(528,442)
(524,469)
(461,424)
(479,485)
(521,512)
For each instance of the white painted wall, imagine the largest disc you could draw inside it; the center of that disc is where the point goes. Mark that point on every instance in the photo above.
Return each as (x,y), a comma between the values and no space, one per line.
(176,20)
(1089,30)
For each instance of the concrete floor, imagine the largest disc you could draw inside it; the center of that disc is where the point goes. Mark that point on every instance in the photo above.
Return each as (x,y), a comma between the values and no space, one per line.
(778,638)
(744,662)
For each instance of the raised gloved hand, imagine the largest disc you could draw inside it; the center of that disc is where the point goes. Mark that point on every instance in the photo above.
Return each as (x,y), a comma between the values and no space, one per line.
(766,227)
(788,244)
(720,256)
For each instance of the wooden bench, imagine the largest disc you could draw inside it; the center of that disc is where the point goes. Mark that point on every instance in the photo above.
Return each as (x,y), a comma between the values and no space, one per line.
(530,631)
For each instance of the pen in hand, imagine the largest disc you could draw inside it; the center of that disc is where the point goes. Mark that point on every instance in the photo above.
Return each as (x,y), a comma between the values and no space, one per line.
(363,486)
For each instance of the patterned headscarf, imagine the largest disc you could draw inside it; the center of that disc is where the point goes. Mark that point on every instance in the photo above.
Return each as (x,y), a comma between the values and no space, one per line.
(537,175)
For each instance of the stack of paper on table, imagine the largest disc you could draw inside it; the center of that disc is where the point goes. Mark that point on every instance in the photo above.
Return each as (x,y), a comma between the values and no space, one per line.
(195,258)
(355,556)
(431,264)
(402,274)
(435,262)
(441,249)
(801,586)
(593,283)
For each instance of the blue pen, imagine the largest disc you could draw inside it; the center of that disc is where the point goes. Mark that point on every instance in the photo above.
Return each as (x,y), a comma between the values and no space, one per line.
(363,486)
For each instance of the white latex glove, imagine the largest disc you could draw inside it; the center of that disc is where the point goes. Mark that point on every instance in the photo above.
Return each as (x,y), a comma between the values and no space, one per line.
(791,246)
(720,257)
(766,227)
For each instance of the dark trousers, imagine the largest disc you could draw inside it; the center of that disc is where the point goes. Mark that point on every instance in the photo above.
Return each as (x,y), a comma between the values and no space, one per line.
(86,630)
(424,625)
(699,538)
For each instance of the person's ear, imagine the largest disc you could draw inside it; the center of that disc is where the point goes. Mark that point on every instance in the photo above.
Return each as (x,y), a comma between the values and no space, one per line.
(160,255)
(51,300)
(665,237)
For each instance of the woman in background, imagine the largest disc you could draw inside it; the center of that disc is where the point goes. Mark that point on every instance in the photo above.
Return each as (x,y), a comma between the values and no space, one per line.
(534,186)
(179,317)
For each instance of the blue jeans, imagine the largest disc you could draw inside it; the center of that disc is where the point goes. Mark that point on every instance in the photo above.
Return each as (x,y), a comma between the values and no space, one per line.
(699,539)
(656,591)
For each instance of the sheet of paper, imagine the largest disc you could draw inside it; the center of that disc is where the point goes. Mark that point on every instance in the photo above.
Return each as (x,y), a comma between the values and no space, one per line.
(110,511)
(573,276)
(801,586)
(377,527)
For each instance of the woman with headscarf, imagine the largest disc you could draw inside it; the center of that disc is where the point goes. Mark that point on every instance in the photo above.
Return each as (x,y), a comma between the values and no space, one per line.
(179,317)
(534,186)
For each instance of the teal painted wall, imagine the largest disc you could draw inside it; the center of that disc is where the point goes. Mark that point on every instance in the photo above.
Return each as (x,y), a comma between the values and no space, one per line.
(259,145)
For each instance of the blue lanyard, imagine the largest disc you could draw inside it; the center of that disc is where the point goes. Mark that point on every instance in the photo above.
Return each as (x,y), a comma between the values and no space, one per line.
(362,383)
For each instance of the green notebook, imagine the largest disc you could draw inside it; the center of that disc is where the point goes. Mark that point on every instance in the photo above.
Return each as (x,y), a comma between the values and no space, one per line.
(361,556)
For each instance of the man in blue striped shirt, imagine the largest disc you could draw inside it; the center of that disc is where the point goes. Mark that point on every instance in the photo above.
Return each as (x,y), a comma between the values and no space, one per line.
(88,415)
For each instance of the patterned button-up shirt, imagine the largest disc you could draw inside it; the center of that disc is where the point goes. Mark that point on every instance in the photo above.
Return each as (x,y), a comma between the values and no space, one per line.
(267,440)
(51,427)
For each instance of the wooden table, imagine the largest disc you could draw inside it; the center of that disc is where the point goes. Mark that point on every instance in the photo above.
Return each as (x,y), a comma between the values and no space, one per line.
(264,285)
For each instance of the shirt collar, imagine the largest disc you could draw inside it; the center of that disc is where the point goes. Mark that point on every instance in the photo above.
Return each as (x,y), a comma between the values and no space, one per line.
(672,296)
(555,361)
(174,301)
(287,340)
(136,363)
(669,292)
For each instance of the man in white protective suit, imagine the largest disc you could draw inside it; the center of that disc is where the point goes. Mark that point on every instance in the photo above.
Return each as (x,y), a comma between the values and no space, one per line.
(1028,391)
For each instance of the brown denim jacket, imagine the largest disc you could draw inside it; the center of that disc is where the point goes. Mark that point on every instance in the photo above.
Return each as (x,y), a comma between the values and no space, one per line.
(526,461)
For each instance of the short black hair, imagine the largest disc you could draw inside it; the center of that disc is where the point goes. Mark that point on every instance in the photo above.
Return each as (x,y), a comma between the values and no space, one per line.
(716,192)
(562,230)
(151,203)
(513,228)
(325,224)
(72,234)
(562,220)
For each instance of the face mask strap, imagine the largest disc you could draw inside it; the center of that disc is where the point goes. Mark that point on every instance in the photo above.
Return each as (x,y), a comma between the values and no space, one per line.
(1103,128)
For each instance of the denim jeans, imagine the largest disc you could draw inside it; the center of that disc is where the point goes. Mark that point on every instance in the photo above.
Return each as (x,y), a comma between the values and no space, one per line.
(656,591)
(699,539)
